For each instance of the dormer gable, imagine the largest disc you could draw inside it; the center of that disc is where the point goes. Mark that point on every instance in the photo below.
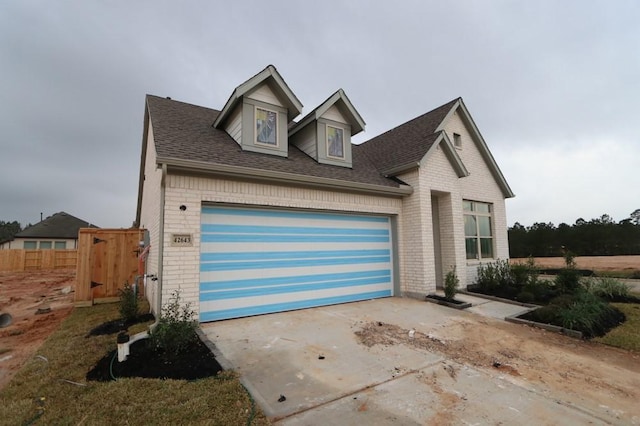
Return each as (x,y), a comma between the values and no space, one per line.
(258,112)
(325,133)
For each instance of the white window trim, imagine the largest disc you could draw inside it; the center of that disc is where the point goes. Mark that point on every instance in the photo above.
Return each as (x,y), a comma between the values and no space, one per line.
(477,236)
(344,148)
(255,130)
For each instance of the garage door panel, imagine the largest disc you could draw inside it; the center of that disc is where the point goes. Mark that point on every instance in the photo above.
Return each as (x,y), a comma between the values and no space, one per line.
(264,275)
(222,289)
(256,261)
(225,313)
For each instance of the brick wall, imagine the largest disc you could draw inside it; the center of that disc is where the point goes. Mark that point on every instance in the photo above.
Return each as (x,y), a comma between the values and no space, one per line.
(150,212)
(480,185)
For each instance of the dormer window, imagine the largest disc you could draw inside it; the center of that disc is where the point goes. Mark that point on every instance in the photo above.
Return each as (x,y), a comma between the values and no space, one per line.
(335,142)
(266,127)
(258,112)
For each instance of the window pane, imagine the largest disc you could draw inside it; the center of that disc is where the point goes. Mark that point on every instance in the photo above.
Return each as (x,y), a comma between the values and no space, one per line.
(472,248)
(470,229)
(335,142)
(60,245)
(266,123)
(30,245)
(484,223)
(45,245)
(483,207)
(466,206)
(486,247)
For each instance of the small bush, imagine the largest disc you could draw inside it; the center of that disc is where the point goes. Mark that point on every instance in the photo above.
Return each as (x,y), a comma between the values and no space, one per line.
(568,279)
(175,332)
(451,283)
(492,276)
(128,303)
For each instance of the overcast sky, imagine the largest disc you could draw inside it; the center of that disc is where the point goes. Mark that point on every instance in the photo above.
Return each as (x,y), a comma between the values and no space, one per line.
(554,87)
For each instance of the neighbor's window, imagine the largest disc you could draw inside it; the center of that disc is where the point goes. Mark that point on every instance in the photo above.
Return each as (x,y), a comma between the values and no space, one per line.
(266,127)
(60,245)
(335,142)
(45,245)
(30,245)
(478,234)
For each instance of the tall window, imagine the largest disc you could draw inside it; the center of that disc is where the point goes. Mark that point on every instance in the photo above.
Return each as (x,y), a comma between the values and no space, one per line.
(478,233)
(266,127)
(335,142)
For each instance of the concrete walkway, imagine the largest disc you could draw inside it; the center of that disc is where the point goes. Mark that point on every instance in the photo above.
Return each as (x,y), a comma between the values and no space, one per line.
(308,367)
(490,308)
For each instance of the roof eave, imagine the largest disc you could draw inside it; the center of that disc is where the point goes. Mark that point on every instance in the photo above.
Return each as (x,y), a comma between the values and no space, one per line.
(282,177)
(143,159)
(395,171)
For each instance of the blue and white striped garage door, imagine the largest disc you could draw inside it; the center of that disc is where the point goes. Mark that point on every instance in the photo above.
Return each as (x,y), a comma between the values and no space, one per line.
(258,261)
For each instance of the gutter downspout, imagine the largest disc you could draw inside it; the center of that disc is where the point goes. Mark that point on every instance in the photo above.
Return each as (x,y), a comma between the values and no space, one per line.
(163,183)
(124,341)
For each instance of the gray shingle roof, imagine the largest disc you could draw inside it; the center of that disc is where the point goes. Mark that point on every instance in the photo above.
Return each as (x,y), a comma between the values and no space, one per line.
(58,225)
(407,143)
(184,131)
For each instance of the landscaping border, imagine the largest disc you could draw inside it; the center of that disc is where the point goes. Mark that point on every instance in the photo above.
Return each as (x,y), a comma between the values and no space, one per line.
(553,328)
(461,305)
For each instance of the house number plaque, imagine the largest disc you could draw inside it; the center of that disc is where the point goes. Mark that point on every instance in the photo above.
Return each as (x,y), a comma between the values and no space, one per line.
(181,240)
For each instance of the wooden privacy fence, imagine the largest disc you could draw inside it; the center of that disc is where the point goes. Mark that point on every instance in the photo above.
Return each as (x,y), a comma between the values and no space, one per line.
(28,260)
(107,259)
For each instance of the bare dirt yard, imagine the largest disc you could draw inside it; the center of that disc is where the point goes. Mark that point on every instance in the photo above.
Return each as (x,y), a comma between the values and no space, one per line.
(595,263)
(37,301)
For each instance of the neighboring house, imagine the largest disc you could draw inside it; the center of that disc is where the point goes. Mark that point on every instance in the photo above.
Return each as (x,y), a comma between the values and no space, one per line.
(251,212)
(58,232)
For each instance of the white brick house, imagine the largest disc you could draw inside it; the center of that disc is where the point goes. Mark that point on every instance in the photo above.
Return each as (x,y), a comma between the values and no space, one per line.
(250,211)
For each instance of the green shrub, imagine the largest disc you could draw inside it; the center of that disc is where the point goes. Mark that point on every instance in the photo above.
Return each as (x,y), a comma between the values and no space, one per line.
(582,312)
(451,283)
(590,315)
(493,276)
(128,303)
(175,332)
(568,279)
(525,297)
(608,288)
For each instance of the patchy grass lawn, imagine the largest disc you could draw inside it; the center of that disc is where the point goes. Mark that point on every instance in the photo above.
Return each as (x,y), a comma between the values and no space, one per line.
(51,388)
(627,335)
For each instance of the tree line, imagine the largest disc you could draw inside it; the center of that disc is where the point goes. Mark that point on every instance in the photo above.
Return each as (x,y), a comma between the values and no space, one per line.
(598,237)
(9,229)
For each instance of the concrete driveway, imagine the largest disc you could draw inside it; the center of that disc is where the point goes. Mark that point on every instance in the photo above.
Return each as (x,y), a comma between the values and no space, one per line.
(330,365)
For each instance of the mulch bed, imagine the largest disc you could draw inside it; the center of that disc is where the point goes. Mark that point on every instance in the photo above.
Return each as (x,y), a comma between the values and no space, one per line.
(197,362)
